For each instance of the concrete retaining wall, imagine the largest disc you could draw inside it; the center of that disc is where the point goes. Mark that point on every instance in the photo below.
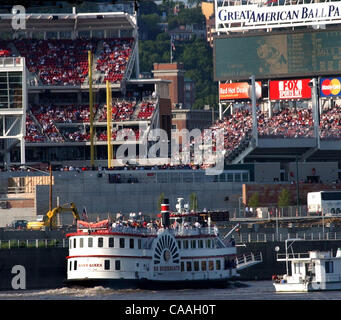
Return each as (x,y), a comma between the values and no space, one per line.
(101,197)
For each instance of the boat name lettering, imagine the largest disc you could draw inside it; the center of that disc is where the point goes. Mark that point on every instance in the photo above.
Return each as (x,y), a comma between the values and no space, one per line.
(91,265)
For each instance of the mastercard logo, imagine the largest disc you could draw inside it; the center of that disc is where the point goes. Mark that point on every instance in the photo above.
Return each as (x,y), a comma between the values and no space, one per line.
(331,87)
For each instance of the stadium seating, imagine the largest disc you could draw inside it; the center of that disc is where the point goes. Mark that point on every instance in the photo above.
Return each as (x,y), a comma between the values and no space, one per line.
(121,111)
(285,123)
(330,123)
(33,133)
(146,110)
(57,62)
(113,59)
(65,61)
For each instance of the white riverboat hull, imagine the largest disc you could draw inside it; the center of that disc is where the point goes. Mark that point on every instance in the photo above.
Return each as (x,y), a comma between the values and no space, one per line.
(291,287)
(307,287)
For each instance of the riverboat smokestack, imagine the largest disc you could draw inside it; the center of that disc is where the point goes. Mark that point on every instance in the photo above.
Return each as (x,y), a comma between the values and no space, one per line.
(165,213)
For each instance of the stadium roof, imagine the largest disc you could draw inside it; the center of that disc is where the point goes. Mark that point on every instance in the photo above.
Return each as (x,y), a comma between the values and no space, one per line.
(72,21)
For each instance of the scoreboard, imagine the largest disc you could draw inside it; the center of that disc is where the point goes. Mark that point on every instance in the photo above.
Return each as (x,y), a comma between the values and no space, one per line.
(277,54)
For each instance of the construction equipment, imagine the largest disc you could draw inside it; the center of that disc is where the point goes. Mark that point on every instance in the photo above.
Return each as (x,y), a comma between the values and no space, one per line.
(49,220)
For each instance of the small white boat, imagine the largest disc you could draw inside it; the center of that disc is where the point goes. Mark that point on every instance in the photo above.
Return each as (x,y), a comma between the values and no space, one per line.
(311,271)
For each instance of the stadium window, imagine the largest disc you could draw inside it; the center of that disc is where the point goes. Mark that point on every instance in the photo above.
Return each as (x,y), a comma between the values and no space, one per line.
(75,265)
(70,244)
(210,265)
(196,265)
(70,265)
(111,242)
(74,242)
(139,243)
(131,243)
(100,242)
(217,265)
(208,243)
(106,264)
(179,244)
(81,242)
(189,265)
(90,242)
(193,244)
(203,265)
(182,266)
(122,242)
(200,243)
(118,265)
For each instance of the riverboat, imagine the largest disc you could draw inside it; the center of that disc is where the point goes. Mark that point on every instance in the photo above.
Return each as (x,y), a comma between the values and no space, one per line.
(310,271)
(180,252)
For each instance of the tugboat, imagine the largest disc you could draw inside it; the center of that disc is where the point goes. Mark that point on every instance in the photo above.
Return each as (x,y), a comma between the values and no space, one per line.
(178,252)
(310,271)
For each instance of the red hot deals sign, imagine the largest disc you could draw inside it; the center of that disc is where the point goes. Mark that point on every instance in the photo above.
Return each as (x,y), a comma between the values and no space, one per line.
(238,90)
(289,89)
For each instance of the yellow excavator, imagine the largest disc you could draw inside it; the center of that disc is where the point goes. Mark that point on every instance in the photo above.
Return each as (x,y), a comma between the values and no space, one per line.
(49,220)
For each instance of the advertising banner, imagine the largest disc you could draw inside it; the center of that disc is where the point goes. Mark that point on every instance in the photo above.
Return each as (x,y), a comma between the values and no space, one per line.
(248,16)
(238,90)
(289,89)
(330,87)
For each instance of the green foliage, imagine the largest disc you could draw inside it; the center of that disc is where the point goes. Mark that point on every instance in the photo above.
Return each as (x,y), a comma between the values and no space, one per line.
(254,201)
(148,24)
(284,198)
(197,57)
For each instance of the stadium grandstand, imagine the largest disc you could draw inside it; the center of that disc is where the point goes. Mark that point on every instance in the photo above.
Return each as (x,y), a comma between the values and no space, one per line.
(295,113)
(56,116)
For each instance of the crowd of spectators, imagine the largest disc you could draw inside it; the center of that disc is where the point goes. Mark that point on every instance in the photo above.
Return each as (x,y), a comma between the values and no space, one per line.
(121,111)
(65,62)
(330,123)
(47,123)
(284,123)
(33,133)
(57,62)
(113,60)
(287,123)
(71,113)
(146,110)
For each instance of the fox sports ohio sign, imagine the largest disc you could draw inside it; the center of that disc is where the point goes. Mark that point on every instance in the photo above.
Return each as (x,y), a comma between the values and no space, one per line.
(243,17)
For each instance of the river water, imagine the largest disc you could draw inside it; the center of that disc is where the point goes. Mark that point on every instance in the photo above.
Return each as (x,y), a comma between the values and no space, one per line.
(246,290)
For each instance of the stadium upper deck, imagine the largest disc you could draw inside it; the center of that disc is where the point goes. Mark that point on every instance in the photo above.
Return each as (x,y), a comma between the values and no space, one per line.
(56,47)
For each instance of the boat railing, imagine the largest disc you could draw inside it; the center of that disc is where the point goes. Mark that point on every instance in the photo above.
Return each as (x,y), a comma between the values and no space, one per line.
(284,257)
(192,231)
(134,230)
